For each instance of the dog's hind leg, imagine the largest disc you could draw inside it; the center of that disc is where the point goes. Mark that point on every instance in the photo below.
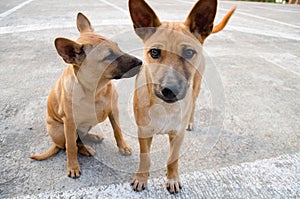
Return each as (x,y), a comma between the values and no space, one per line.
(85,150)
(92,137)
(85,135)
(196,91)
(56,131)
(191,122)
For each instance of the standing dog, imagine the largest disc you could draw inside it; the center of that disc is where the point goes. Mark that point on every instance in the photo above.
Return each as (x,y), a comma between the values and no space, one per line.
(84,95)
(169,82)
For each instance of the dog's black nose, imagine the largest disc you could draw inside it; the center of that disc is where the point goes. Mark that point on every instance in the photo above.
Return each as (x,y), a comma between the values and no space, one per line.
(170,92)
(139,62)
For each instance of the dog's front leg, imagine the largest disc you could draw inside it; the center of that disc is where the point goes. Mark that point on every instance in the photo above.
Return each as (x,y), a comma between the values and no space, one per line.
(73,168)
(139,181)
(173,183)
(121,143)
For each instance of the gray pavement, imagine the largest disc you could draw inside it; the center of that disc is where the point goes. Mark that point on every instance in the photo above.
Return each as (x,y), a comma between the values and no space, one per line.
(249,180)
(246,140)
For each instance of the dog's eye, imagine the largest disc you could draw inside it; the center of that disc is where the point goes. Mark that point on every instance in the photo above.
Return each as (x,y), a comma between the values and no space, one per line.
(155,53)
(188,53)
(112,56)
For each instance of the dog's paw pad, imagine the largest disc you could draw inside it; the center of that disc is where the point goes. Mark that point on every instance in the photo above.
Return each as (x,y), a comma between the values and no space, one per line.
(173,186)
(125,150)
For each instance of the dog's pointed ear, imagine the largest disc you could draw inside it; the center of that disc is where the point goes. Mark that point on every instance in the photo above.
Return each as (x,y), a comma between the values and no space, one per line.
(71,51)
(84,24)
(144,18)
(201,18)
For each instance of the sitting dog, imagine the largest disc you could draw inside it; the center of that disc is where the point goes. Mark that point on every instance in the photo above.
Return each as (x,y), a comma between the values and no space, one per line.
(84,95)
(169,81)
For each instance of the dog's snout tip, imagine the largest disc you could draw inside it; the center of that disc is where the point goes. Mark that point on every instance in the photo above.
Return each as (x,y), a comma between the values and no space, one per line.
(168,93)
(139,62)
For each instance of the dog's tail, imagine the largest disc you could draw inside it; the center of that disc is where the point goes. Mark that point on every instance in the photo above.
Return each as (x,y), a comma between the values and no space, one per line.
(51,152)
(224,21)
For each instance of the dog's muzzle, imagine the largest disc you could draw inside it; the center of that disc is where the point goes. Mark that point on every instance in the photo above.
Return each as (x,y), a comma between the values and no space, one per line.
(172,86)
(128,66)
(133,71)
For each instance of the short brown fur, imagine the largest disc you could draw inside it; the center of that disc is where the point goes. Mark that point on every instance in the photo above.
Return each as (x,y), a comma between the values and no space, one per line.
(170,79)
(84,95)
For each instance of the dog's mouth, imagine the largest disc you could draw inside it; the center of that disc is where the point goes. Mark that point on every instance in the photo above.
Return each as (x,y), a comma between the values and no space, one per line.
(132,72)
(171,93)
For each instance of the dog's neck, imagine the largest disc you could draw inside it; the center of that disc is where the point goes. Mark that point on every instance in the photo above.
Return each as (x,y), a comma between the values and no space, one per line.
(90,83)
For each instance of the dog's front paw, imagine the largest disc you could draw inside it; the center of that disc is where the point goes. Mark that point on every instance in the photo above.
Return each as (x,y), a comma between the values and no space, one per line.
(73,172)
(173,186)
(125,150)
(139,183)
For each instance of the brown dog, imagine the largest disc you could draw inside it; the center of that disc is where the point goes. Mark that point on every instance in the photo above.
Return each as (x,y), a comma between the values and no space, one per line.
(169,82)
(84,95)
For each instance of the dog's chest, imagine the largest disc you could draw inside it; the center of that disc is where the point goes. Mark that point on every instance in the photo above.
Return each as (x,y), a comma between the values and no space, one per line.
(168,123)
(170,118)
(89,110)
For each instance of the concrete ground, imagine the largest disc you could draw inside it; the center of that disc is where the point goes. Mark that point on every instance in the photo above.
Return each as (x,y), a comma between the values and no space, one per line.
(246,139)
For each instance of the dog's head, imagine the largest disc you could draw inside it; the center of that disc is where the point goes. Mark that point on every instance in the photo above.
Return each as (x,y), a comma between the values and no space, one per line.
(96,57)
(173,50)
